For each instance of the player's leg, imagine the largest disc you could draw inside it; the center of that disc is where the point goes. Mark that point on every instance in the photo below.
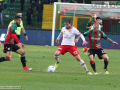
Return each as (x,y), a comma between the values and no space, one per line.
(60,50)
(8,51)
(82,63)
(22,53)
(105,57)
(7,58)
(92,63)
(84,50)
(16,43)
(57,53)
(73,50)
(102,55)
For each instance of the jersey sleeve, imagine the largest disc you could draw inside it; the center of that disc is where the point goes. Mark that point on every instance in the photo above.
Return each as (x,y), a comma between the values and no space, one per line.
(88,24)
(86,33)
(77,32)
(103,35)
(60,35)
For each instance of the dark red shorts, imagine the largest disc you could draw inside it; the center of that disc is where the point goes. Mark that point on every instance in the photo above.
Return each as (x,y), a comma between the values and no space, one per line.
(67,48)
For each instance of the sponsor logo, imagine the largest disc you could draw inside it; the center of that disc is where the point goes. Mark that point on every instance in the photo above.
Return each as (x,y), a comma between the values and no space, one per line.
(95,38)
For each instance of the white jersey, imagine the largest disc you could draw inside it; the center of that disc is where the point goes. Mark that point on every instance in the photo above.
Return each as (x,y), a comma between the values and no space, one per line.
(68,36)
(99,27)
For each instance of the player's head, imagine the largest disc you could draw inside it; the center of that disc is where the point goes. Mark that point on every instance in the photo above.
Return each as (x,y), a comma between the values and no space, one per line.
(29,7)
(19,14)
(17,20)
(98,20)
(95,27)
(67,23)
(94,16)
(39,2)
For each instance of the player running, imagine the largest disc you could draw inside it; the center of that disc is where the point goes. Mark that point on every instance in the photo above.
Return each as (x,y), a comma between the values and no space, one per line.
(95,36)
(19,28)
(9,45)
(68,44)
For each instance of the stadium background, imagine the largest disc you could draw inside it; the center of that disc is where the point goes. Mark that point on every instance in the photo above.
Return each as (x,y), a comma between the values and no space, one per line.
(38,35)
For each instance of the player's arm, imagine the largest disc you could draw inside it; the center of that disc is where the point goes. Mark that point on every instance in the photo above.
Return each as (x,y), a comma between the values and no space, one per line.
(59,36)
(80,36)
(101,24)
(89,26)
(23,30)
(108,39)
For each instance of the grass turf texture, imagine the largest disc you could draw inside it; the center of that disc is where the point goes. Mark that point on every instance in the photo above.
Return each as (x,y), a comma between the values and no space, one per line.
(68,76)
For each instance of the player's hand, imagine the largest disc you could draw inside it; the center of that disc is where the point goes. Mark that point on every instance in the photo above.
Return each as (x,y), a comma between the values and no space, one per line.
(90,27)
(57,41)
(76,40)
(0,44)
(19,44)
(84,43)
(26,38)
(23,46)
(115,43)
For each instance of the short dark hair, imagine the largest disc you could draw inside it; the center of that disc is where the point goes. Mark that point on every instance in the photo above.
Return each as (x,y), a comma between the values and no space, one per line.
(19,12)
(68,21)
(98,18)
(17,17)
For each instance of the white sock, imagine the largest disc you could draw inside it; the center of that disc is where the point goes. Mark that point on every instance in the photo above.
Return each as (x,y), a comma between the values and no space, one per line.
(57,58)
(82,63)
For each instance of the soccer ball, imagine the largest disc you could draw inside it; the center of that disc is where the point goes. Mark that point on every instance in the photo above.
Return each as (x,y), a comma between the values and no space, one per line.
(51,68)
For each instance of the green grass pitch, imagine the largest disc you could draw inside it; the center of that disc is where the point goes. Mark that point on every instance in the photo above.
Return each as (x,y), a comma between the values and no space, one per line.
(68,76)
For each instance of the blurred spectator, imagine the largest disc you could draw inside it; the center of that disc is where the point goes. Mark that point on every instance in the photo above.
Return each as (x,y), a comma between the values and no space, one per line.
(29,15)
(5,4)
(1,8)
(12,1)
(51,1)
(22,4)
(1,1)
(45,1)
(39,10)
(33,2)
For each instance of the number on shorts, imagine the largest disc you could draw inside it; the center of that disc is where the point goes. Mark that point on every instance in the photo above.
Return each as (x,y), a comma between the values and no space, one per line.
(103,51)
(75,52)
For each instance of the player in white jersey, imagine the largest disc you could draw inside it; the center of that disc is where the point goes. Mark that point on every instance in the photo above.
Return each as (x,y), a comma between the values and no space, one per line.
(68,44)
(99,21)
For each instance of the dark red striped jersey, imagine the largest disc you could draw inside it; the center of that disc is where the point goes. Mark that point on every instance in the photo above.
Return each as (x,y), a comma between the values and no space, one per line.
(94,38)
(11,35)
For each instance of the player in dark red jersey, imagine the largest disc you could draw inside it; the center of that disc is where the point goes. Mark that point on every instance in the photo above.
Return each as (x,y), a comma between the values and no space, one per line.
(95,36)
(9,45)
